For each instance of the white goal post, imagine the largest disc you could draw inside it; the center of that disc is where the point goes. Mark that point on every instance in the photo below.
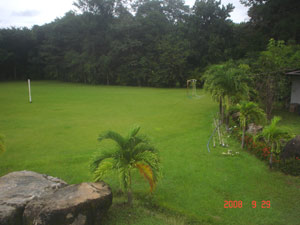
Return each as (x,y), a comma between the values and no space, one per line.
(29,90)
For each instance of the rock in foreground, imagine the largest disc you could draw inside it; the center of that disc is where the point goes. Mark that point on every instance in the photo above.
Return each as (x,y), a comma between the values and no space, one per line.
(78,204)
(18,188)
(29,198)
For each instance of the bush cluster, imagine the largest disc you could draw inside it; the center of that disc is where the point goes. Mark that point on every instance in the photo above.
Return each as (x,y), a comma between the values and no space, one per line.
(260,149)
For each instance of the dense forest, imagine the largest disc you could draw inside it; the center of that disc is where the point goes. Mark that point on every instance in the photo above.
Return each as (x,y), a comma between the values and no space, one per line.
(158,43)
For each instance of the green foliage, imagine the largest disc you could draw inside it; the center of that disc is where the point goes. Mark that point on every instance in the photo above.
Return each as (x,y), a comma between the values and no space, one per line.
(271,82)
(283,15)
(210,32)
(143,43)
(273,135)
(227,80)
(131,152)
(228,84)
(249,112)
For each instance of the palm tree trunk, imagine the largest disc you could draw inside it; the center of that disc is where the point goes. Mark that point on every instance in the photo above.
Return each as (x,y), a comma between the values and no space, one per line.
(222,110)
(271,160)
(243,136)
(129,191)
(129,197)
(271,157)
(227,113)
(227,121)
(220,106)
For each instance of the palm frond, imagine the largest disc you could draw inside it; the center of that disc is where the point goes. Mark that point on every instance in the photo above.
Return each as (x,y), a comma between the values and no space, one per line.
(250,112)
(133,131)
(151,159)
(113,136)
(227,79)
(99,157)
(105,168)
(132,142)
(142,147)
(146,171)
(124,176)
(273,134)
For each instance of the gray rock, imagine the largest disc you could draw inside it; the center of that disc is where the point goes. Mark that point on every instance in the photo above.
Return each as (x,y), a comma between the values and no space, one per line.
(18,188)
(291,149)
(254,129)
(78,204)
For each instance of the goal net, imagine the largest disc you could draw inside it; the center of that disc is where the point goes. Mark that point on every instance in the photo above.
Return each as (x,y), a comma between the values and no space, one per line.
(191,88)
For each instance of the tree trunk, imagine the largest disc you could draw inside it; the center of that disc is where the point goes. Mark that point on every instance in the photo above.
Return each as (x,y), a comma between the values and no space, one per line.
(226,113)
(243,136)
(271,160)
(222,110)
(227,121)
(129,197)
(220,105)
(269,97)
(129,191)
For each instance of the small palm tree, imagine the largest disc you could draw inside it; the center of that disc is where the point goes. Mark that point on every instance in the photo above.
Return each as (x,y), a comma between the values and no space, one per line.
(131,152)
(273,136)
(249,111)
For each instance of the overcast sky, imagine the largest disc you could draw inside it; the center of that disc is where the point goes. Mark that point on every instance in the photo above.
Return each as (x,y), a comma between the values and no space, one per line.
(26,13)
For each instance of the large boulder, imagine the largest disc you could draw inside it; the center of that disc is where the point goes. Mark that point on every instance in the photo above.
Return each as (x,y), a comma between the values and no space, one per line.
(78,204)
(291,149)
(28,198)
(18,188)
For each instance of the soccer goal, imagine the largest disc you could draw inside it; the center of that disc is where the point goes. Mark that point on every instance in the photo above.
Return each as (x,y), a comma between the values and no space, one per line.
(191,88)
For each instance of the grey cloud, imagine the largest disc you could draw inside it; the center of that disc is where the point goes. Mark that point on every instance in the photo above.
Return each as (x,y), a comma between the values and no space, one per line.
(26,13)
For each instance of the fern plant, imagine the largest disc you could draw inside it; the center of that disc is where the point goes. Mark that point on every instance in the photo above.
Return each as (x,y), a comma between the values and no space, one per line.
(131,152)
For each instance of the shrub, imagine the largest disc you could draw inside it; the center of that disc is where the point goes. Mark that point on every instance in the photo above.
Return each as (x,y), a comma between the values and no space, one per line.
(261,149)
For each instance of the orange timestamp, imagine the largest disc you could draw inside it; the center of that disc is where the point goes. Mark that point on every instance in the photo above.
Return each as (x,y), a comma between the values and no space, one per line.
(239,204)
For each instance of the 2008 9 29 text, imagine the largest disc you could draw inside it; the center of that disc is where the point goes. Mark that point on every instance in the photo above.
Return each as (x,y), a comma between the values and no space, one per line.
(239,204)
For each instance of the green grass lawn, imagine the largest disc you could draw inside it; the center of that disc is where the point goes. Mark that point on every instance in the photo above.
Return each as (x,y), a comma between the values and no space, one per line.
(57,135)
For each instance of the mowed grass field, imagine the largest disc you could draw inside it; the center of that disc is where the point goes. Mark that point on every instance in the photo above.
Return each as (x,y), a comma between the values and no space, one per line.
(57,135)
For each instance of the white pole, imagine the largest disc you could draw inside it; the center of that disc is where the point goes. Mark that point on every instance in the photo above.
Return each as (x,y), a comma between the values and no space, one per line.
(29,91)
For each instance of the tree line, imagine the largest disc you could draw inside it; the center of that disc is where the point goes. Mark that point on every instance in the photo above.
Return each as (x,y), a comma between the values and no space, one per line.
(159,43)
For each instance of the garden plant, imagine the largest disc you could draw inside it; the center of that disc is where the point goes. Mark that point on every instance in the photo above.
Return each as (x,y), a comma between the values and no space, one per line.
(131,152)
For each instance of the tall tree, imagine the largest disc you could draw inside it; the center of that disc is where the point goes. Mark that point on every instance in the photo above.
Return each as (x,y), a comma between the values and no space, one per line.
(228,84)
(210,32)
(269,71)
(275,18)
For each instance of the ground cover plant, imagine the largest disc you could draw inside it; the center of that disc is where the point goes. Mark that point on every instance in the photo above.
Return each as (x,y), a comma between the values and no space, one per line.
(57,134)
